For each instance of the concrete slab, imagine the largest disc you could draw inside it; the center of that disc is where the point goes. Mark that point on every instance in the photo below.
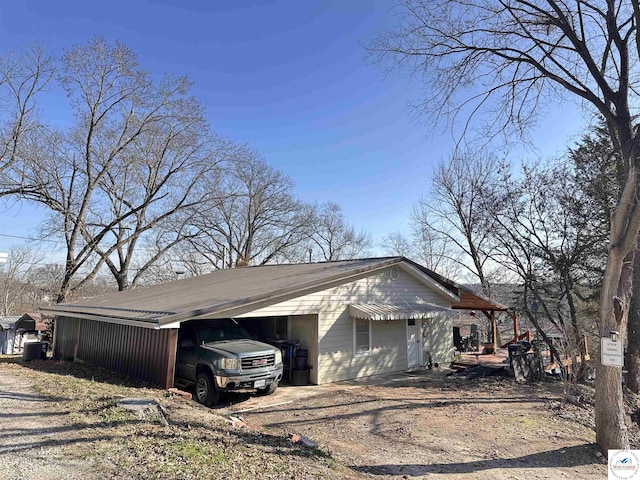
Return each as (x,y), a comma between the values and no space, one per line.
(296,394)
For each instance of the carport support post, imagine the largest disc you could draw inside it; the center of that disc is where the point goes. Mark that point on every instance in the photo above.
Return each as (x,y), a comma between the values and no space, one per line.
(494,328)
(172,349)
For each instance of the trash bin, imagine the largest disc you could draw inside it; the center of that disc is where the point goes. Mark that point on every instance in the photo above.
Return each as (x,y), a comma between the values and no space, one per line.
(35,351)
(515,349)
(301,359)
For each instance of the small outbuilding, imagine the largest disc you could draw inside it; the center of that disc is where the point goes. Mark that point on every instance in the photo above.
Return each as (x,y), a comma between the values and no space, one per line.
(15,331)
(355,318)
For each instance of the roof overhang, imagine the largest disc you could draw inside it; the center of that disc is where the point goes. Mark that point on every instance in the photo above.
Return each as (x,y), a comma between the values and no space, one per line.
(385,311)
(63,311)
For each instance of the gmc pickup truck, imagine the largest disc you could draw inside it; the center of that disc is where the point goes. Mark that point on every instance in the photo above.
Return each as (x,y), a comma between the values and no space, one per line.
(216,356)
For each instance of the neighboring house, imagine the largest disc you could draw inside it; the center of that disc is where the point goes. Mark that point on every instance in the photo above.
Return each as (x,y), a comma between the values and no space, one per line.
(356,318)
(15,331)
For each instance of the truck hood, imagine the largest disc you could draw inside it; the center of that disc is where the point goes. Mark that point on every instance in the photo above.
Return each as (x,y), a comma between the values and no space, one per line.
(240,347)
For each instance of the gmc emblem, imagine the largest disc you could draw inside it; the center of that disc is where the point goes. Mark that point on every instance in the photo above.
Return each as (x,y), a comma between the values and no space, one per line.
(261,361)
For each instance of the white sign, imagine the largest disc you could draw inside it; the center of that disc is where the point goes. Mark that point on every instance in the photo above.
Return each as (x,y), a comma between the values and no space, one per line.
(611,354)
(623,464)
(4,257)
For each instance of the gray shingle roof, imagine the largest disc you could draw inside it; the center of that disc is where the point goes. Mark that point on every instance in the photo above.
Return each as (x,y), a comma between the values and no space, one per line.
(220,291)
(8,323)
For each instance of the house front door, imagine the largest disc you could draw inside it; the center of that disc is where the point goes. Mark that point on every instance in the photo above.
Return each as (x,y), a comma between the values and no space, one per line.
(413,343)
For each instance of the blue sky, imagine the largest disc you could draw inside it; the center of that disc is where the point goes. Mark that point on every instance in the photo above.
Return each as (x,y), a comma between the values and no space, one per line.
(287,77)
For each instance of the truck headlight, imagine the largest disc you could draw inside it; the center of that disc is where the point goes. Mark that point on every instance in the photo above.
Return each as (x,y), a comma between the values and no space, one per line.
(278,357)
(230,364)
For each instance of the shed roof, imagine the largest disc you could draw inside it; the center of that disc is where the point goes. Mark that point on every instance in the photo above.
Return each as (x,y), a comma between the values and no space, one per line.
(8,323)
(31,321)
(231,292)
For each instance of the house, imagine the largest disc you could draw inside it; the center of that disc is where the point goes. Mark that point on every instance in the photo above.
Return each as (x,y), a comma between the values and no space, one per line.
(355,318)
(15,331)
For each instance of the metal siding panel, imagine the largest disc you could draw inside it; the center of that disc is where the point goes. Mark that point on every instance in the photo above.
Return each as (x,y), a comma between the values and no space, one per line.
(137,352)
(66,334)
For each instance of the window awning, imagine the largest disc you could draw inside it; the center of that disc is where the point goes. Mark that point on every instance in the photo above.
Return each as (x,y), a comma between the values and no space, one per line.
(388,311)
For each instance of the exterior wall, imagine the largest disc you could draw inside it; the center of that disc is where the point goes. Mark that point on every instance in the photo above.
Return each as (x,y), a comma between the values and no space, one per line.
(141,353)
(305,329)
(437,339)
(388,353)
(8,341)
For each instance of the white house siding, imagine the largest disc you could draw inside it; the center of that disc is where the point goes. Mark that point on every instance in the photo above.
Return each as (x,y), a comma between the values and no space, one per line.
(8,342)
(335,327)
(437,339)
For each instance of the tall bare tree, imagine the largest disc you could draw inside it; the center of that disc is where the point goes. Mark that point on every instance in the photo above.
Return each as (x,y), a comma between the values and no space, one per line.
(133,157)
(332,238)
(454,213)
(508,58)
(170,175)
(255,220)
(550,244)
(23,76)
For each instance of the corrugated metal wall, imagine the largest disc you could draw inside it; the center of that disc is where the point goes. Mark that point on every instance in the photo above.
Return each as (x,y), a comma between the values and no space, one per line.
(141,353)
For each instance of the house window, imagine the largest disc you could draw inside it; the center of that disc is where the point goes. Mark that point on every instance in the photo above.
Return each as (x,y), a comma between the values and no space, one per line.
(362,336)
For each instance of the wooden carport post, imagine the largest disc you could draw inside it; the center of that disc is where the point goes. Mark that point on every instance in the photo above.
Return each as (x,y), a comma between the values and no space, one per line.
(516,334)
(172,349)
(491,315)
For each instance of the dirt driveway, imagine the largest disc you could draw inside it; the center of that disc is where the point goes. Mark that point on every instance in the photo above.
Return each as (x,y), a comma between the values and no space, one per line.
(425,425)
(33,431)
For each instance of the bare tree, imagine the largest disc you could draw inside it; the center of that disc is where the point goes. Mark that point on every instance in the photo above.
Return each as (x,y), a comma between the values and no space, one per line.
(507,59)
(550,243)
(15,275)
(23,76)
(133,158)
(424,246)
(169,177)
(332,238)
(256,218)
(454,219)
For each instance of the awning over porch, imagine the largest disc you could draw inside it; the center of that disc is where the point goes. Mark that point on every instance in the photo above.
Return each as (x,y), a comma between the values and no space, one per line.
(385,311)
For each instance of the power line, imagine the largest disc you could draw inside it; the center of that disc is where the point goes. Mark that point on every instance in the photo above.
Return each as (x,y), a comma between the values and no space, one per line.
(20,237)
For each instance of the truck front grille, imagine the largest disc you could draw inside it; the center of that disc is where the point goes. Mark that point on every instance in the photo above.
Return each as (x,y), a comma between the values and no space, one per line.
(258,361)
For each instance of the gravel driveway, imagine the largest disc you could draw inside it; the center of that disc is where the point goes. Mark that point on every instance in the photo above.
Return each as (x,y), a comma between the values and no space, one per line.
(32,432)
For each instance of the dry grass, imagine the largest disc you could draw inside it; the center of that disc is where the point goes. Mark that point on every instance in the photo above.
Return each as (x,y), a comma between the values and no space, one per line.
(197,444)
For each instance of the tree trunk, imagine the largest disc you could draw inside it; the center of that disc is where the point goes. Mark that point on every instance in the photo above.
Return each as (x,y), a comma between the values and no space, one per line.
(611,427)
(633,329)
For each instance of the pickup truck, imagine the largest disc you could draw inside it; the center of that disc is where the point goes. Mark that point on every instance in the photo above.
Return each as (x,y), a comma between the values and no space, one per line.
(216,356)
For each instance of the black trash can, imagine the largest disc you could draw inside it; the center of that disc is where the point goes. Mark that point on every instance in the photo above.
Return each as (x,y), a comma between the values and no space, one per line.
(35,351)
(515,349)
(301,359)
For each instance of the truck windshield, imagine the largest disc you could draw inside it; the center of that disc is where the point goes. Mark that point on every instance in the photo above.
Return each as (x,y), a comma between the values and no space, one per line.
(218,333)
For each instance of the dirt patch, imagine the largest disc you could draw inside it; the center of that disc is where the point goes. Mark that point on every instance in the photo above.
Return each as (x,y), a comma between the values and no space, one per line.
(33,433)
(446,428)
(65,423)
(61,420)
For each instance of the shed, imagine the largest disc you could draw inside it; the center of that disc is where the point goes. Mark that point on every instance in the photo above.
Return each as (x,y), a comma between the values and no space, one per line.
(356,318)
(8,335)
(17,330)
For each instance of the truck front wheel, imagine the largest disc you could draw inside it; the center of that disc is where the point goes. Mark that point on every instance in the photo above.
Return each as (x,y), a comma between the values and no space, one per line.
(205,390)
(269,389)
